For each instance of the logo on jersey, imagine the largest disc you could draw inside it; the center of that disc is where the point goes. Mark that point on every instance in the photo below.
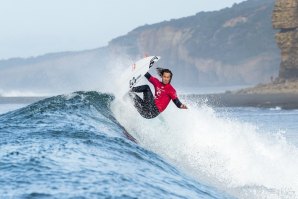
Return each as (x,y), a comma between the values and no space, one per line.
(159,91)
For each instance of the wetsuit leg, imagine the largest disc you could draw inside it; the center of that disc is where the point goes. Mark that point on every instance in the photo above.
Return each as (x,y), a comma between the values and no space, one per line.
(145,89)
(146,107)
(141,89)
(138,102)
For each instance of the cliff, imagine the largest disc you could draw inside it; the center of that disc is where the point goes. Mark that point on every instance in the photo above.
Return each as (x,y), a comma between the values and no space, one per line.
(285,18)
(232,46)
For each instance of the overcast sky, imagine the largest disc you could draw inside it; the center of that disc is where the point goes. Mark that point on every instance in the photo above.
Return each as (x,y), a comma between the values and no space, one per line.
(35,27)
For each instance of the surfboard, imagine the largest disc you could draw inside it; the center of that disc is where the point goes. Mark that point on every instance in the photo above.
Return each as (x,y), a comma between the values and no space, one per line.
(139,69)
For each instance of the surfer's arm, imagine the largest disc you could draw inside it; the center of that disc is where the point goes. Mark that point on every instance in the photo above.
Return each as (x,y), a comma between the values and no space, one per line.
(176,100)
(147,75)
(179,104)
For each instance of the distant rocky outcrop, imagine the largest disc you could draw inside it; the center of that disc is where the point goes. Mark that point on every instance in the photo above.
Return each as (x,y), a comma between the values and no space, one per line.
(285,18)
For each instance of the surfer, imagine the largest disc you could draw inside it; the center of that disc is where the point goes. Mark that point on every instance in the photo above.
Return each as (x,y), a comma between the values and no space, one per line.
(150,106)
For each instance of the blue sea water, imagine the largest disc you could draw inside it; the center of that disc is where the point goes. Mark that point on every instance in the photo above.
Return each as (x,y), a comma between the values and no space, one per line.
(73,146)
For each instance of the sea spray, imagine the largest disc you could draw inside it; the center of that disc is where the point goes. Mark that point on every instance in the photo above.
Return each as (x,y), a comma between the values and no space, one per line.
(234,156)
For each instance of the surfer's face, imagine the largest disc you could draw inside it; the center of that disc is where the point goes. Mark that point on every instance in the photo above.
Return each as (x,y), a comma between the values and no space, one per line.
(166,78)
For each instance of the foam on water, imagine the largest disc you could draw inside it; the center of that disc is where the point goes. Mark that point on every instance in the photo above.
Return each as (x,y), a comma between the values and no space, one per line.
(234,156)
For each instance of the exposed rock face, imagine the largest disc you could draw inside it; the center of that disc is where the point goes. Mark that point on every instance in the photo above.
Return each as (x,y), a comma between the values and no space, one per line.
(285,18)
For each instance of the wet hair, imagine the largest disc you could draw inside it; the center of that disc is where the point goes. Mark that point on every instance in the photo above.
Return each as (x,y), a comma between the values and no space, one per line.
(161,71)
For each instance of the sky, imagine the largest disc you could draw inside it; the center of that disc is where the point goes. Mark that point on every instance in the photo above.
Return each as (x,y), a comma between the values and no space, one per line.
(34,27)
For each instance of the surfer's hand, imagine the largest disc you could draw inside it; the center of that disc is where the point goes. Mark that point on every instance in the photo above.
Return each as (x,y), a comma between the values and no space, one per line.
(183,106)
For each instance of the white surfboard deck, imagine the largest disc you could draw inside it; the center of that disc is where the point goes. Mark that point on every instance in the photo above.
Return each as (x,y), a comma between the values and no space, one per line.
(139,69)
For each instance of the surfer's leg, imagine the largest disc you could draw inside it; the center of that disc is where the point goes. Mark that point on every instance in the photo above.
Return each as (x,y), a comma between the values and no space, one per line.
(145,89)
(146,107)
(151,109)
(138,102)
(148,96)
(140,89)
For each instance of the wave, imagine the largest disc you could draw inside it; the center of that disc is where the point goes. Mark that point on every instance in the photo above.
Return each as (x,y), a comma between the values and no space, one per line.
(73,146)
(222,154)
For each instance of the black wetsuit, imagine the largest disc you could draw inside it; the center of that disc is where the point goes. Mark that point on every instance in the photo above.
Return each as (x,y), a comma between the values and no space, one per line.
(146,106)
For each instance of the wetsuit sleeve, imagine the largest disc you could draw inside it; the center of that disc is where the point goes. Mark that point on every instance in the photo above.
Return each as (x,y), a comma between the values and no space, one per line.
(175,99)
(147,75)
(177,102)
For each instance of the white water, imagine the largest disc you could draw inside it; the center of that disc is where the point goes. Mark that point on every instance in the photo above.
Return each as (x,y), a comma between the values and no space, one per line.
(233,156)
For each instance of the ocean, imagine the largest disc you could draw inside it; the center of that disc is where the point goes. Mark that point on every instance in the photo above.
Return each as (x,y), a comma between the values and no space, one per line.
(73,146)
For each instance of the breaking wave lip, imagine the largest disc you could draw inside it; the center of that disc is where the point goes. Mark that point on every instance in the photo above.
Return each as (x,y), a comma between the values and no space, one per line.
(87,116)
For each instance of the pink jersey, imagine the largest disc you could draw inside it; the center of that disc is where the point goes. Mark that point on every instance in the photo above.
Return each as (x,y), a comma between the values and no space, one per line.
(163,93)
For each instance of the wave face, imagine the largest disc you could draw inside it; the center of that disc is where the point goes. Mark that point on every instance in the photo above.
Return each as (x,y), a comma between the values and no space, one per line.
(71,146)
